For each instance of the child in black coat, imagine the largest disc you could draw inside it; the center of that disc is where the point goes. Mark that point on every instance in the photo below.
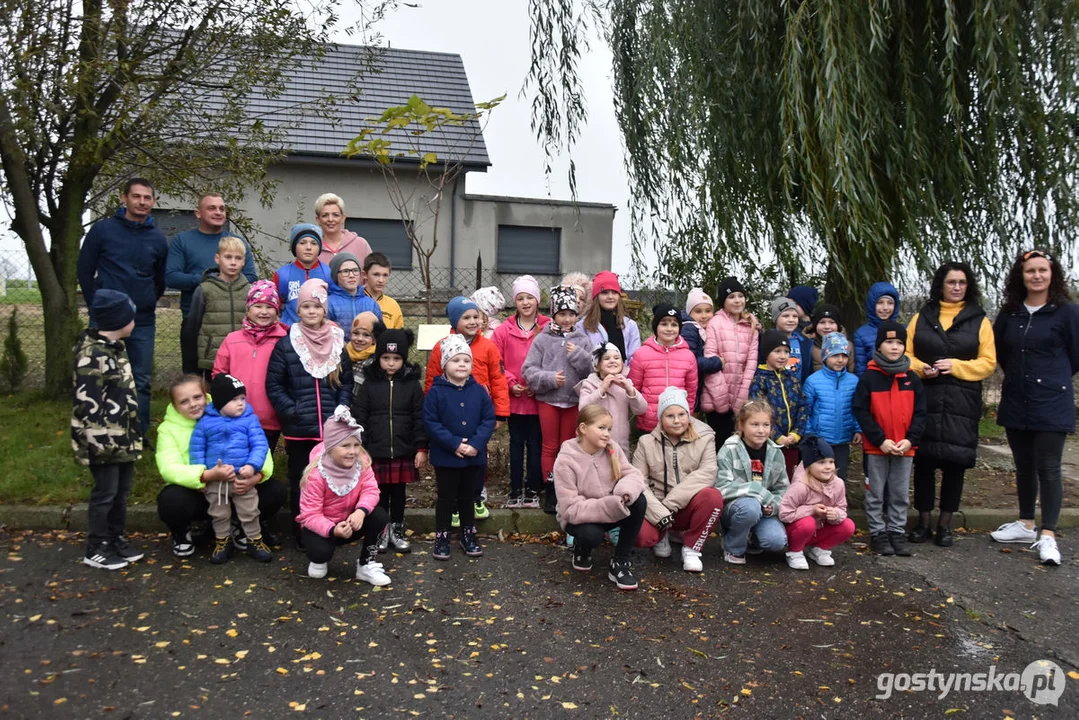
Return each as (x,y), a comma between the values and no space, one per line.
(389,406)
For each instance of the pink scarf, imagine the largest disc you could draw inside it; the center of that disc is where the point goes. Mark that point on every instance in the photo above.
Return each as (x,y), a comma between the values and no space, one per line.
(254,330)
(319,348)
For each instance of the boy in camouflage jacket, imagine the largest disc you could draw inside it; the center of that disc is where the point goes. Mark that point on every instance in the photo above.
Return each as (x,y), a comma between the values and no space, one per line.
(105,430)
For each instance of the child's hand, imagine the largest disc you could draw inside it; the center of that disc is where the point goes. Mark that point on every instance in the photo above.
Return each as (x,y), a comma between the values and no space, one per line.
(820,511)
(570,347)
(471,451)
(499,424)
(421,458)
(343,530)
(902,447)
(559,378)
(517,390)
(832,516)
(605,385)
(626,500)
(462,450)
(857,439)
(355,520)
(768,510)
(887,447)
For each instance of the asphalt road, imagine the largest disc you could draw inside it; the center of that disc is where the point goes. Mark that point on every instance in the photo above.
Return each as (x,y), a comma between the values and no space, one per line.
(517,634)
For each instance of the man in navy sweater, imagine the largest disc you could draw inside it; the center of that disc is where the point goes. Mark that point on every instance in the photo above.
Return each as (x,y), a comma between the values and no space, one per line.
(126,252)
(191,253)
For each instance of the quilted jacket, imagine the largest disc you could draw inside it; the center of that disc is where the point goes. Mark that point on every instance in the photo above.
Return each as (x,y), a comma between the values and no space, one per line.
(736,343)
(828,397)
(784,393)
(243,358)
(235,441)
(657,368)
(321,508)
(303,404)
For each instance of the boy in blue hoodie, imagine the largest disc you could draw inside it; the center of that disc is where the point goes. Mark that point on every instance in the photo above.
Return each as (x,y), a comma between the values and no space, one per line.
(828,396)
(882,303)
(230,434)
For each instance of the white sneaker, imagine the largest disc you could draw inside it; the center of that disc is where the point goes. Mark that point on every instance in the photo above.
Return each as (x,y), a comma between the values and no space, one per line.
(691,560)
(734,559)
(821,557)
(372,573)
(1047,549)
(662,549)
(316,570)
(797,561)
(1014,532)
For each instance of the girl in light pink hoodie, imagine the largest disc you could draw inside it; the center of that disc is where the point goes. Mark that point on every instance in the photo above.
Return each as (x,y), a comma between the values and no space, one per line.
(598,491)
(609,387)
(732,336)
(339,500)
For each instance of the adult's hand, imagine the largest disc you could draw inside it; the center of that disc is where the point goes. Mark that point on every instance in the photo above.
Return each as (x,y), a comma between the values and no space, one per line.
(242,484)
(944,365)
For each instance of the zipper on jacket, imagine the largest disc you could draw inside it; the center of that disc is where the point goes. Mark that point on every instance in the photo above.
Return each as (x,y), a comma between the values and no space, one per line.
(391,417)
(786,402)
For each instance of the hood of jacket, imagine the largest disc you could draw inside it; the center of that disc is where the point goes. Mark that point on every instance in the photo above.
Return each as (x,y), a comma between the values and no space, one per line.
(876,292)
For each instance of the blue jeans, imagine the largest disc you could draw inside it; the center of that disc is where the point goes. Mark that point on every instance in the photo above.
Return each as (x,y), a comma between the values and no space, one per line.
(140,352)
(745,515)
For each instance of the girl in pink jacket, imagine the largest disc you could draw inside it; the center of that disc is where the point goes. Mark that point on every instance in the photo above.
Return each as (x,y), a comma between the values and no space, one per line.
(663,361)
(339,501)
(245,353)
(731,335)
(598,491)
(815,507)
(608,387)
(513,338)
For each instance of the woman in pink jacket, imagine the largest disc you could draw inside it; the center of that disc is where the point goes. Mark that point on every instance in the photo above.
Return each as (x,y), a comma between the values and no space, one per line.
(513,338)
(815,507)
(339,501)
(664,360)
(731,336)
(598,491)
(245,353)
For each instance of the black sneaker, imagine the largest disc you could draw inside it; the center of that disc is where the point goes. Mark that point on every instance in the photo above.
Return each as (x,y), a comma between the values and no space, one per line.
(123,549)
(239,537)
(920,534)
(442,545)
(257,550)
(270,538)
(944,537)
(104,557)
(582,559)
(222,547)
(621,575)
(880,544)
(550,501)
(899,543)
(468,542)
(182,546)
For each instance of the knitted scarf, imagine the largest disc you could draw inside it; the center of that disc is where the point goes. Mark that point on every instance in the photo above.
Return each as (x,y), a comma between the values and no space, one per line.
(254,330)
(609,321)
(892,367)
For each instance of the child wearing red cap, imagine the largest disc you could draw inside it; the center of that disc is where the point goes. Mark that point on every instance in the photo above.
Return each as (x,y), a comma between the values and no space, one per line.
(606,319)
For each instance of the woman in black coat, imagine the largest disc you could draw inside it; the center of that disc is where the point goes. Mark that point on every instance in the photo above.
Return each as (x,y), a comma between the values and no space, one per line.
(309,375)
(1037,336)
(950,343)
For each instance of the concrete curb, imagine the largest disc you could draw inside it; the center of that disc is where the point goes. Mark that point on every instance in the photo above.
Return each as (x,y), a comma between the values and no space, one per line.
(143,518)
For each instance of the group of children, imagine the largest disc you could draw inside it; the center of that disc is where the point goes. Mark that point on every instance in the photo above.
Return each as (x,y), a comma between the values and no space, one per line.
(313,358)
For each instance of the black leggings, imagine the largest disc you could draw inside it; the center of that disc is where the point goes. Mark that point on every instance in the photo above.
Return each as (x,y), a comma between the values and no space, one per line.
(391,498)
(320,549)
(1037,466)
(455,490)
(179,506)
(925,481)
(299,455)
(723,424)
(587,536)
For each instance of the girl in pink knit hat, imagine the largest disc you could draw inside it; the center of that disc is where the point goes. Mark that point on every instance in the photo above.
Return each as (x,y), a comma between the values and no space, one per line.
(339,501)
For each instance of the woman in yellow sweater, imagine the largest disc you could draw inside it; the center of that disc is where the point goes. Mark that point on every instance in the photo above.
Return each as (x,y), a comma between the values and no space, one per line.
(951,347)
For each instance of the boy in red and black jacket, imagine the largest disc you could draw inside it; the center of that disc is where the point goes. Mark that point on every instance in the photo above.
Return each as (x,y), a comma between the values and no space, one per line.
(889,405)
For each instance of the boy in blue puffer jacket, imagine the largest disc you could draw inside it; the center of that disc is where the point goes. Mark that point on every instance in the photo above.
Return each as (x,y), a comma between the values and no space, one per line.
(230,434)
(828,395)
(882,303)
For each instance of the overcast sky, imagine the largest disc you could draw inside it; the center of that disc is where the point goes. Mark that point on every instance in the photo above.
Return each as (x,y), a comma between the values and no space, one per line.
(491,36)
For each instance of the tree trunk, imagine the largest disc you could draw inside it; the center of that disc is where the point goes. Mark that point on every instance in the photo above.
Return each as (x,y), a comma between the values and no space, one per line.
(62,326)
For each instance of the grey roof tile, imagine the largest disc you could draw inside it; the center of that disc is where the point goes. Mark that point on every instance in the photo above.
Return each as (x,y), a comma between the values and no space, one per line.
(384,77)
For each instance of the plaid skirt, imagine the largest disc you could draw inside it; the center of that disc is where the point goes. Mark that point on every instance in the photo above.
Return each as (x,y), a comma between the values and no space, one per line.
(394,471)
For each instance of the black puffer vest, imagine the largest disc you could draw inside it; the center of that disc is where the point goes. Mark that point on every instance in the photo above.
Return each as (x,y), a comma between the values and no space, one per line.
(953,406)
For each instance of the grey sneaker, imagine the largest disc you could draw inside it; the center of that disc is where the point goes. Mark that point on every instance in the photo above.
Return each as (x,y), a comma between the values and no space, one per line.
(123,549)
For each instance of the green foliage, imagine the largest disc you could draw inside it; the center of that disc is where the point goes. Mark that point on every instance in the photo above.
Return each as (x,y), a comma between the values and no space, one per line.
(13,363)
(861,137)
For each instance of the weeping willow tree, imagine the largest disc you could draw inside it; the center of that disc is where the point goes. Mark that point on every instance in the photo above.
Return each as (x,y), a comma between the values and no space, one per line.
(855,139)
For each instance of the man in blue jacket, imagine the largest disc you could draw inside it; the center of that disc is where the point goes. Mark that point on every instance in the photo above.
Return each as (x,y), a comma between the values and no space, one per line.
(126,252)
(191,253)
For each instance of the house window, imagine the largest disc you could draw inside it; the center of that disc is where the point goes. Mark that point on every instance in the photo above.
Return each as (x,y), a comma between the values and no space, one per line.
(387,237)
(172,222)
(534,250)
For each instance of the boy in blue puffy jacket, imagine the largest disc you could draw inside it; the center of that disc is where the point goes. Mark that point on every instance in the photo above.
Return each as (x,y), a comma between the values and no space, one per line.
(882,303)
(230,434)
(828,395)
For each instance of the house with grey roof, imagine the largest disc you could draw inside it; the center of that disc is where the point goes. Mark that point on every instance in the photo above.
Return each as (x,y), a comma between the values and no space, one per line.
(510,236)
